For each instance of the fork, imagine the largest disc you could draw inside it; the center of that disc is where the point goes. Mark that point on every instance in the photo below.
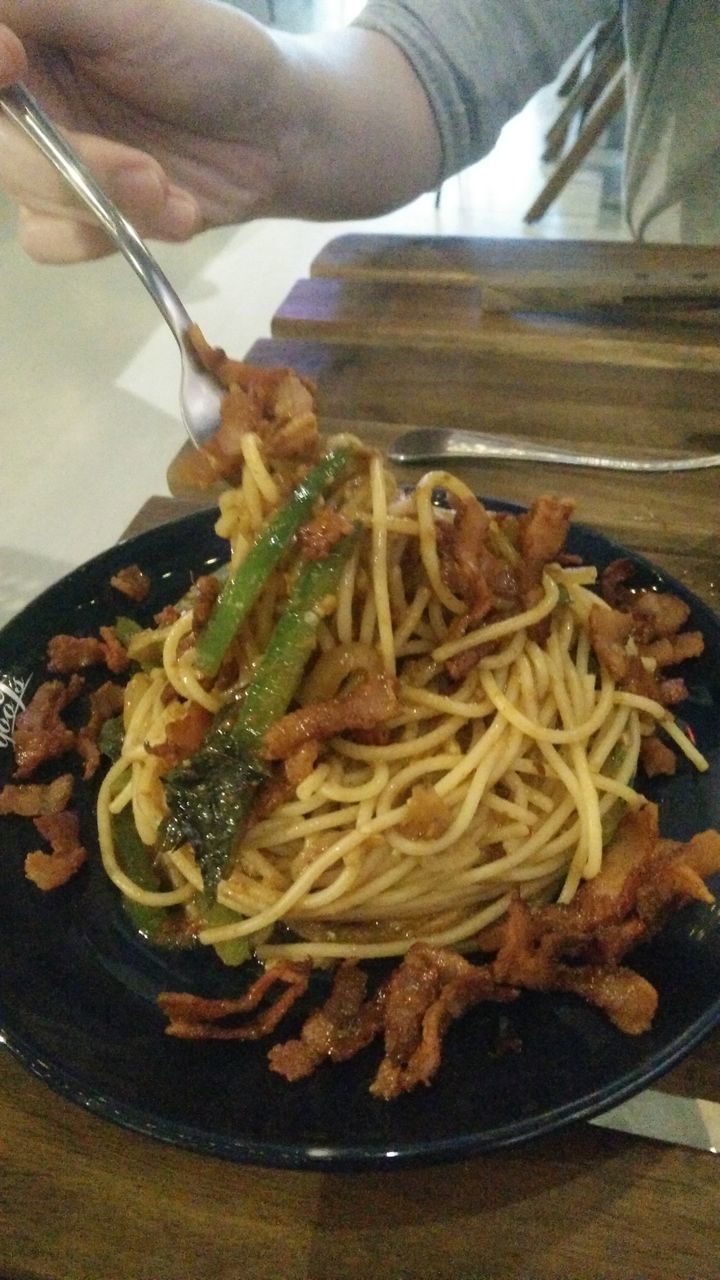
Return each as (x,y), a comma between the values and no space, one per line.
(200,393)
(442,444)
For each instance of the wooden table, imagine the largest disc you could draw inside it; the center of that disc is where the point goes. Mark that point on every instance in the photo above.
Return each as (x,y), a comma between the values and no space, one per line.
(397,332)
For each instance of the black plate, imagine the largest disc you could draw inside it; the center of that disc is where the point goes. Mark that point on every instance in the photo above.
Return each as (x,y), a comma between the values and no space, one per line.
(77,989)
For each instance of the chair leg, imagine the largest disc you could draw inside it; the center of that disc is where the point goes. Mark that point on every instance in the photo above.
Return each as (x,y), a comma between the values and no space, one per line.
(607,57)
(587,49)
(607,106)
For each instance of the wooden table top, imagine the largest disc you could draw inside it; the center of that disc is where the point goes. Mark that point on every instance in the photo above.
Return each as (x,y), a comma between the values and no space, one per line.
(401,331)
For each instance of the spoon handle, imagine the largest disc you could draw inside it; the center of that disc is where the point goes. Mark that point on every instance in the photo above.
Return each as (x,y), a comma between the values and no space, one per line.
(20,105)
(442,444)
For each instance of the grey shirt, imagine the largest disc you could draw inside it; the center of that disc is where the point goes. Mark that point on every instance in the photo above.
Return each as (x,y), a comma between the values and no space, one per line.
(480,61)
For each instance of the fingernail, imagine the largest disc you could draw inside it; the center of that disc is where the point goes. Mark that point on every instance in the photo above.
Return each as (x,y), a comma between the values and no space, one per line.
(139,183)
(181,216)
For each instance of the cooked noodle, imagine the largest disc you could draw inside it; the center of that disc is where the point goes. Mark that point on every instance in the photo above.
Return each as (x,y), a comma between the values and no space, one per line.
(506,780)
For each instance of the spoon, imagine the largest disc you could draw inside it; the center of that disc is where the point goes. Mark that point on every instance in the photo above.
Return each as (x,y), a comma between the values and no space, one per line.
(200,394)
(440,444)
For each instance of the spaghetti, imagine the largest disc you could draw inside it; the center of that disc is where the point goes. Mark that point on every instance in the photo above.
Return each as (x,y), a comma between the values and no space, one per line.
(500,769)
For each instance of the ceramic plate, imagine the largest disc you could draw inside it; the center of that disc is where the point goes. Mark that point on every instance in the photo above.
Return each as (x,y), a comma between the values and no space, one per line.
(77,988)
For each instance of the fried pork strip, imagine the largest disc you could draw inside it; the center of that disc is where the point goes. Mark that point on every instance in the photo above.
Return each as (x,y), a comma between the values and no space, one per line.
(40,733)
(483,579)
(74,653)
(344,1025)
(193,1017)
(105,702)
(575,948)
(276,405)
(365,707)
(34,799)
(132,582)
(50,870)
(426,993)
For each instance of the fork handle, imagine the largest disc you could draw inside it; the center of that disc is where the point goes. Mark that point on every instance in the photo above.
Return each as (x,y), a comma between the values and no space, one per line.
(443,444)
(22,107)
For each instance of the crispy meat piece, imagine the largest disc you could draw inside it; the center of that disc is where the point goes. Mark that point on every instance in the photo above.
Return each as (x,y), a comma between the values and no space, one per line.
(183,736)
(668,651)
(278,405)
(643,879)
(428,815)
(50,870)
(656,614)
(131,582)
(425,994)
(283,784)
(530,959)
(610,630)
(206,592)
(656,757)
(461,548)
(165,617)
(318,537)
(74,653)
(609,633)
(628,999)
(34,799)
(40,734)
(196,1018)
(638,680)
(344,1025)
(364,707)
(468,566)
(301,763)
(655,619)
(612,582)
(542,534)
(461,664)
(677,875)
(105,702)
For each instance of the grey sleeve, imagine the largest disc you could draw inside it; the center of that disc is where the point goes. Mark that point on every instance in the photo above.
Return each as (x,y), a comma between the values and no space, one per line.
(480,61)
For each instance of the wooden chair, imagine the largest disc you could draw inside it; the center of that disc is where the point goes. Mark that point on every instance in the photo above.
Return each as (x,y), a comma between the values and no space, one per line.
(594,92)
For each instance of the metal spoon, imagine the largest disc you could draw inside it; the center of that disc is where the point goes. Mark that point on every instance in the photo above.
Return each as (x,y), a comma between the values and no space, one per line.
(200,394)
(442,444)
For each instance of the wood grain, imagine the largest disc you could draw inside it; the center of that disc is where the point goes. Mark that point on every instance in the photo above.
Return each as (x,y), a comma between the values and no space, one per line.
(512,263)
(380,313)
(82,1199)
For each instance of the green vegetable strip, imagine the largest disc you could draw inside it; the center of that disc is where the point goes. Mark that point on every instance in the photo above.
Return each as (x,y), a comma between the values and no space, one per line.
(210,796)
(269,693)
(135,861)
(243,588)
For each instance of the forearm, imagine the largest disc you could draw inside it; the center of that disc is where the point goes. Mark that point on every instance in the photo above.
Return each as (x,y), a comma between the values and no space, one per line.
(358,134)
(480,61)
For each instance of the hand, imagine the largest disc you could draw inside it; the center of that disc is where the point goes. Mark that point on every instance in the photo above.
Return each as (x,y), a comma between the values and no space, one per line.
(191,115)
(130,82)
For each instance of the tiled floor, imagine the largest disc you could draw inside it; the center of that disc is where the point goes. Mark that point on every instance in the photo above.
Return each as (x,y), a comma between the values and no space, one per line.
(89,376)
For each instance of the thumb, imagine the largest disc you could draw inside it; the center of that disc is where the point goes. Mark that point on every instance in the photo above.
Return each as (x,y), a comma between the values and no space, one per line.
(13,60)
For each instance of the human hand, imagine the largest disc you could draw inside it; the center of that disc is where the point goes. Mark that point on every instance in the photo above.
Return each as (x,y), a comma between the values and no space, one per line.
(149,96)
(192,115)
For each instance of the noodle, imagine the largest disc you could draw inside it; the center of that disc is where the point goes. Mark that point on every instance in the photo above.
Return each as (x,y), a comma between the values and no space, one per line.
(497,781)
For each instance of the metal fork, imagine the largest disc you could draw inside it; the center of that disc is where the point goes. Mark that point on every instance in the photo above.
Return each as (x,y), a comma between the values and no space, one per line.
(443,444)
(200,393)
